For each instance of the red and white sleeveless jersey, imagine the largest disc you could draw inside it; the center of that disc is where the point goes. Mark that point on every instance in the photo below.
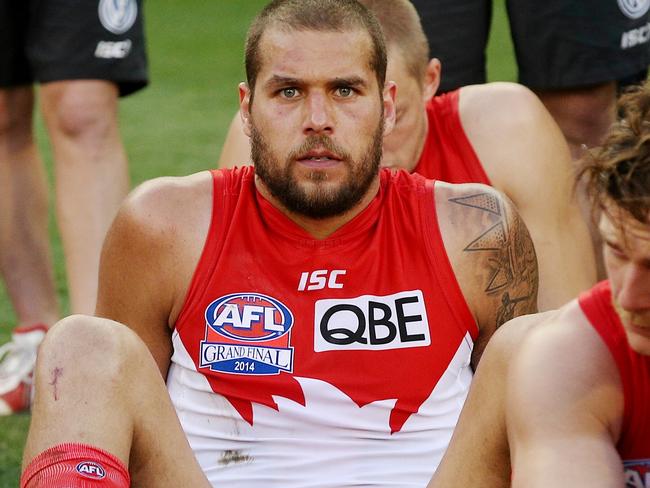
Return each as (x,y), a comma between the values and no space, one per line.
(448,154)
(634,368)
(311,363)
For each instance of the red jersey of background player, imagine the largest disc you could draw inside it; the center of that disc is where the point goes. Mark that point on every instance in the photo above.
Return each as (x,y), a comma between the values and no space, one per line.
(447,154)
(634,441)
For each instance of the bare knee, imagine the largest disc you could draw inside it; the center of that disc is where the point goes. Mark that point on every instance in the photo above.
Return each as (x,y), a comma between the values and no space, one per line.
(84,386)
(82,110)
(98,348)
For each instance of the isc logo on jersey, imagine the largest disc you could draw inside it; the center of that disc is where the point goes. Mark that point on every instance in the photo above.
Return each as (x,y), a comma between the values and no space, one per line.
(92,470)
(372,322)
(247,333)
(637,473)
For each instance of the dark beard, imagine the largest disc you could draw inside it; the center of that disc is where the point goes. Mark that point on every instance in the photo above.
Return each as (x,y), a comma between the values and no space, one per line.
(322,202)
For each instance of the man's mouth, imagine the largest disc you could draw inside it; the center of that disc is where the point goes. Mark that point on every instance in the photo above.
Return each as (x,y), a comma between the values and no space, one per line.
(319,159)
(640,329)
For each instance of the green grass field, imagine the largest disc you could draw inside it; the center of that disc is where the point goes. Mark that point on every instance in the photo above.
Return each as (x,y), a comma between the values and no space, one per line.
(177,125)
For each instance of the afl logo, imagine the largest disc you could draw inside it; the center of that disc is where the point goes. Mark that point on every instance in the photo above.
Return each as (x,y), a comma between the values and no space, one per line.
(118,16)
(91,470)
(249,317)
(634,9)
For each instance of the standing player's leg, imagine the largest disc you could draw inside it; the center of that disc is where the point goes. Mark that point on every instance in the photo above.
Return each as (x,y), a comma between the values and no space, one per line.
(91,175)
(25,260)
(86,55)
(583,114)
(457,31)
(572,54)
(100,399)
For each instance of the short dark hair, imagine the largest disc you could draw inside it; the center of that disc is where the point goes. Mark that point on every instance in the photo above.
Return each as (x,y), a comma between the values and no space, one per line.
(618,172)
(316,15)
(403,30)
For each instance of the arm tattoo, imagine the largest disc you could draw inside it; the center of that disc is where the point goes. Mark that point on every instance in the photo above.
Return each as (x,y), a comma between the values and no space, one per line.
(512,263)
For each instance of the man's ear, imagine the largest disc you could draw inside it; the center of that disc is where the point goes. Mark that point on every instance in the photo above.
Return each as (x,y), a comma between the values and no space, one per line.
(390,92)
(432,79)
(244,107)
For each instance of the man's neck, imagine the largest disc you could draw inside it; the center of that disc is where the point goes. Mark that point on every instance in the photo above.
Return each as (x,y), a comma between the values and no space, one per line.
(321,228)
(423,137)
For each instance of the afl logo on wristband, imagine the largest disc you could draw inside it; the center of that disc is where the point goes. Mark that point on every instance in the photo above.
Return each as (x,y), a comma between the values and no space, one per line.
(634,9)
(118,16)
(91,470)
(637,473)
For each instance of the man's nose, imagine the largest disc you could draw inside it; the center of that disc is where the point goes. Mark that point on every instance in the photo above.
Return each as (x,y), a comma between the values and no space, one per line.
(634,294)
(318,119)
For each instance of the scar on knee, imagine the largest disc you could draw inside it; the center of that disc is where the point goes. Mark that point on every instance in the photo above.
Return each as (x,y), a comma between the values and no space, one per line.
(56,374)
(233,457)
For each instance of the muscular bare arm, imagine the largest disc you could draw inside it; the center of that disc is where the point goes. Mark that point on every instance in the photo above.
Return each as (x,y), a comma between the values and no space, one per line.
(564,408)
(491,253)
(526,157)
(149,256)
(478,454)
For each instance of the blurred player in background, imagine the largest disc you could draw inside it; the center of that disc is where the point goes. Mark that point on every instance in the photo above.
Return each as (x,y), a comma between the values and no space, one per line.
(83,55)
(572,395)
(573,54)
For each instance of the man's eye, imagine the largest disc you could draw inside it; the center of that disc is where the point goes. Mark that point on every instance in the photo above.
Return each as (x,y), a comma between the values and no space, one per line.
(344,92)
(289,92)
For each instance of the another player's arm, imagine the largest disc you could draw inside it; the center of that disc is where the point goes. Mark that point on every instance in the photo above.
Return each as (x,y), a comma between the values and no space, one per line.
(527,158)
(236,150)
(563,410)
(478,454)
(491,253)
(148,258)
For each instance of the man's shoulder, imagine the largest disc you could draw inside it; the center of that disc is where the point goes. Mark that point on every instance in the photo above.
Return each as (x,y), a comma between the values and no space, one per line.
(562,363)
(499,116)
(168,201)
(166,185)
(464,196)
(497,101)
(509,337)
(465,206)
(567,340)
(516,139)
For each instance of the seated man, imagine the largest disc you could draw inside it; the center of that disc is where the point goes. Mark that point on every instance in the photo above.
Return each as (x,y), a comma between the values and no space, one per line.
(575,405)
(308,313)
(498,134)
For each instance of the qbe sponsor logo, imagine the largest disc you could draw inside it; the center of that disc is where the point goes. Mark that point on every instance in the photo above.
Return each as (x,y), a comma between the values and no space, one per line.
(637,473)
(634,9)
(247,333)
(117,16)
(92,470)
(372,322)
